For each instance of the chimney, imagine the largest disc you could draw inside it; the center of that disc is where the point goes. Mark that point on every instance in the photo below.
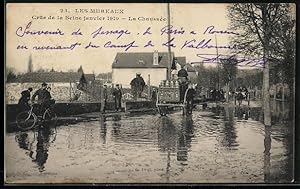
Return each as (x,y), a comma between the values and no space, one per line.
(155,57)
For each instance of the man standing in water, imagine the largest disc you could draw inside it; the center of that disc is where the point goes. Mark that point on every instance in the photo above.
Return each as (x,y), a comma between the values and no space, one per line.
(190,94)
(137,86)
(104,98)
(183,82)
(23,103)
(117,93)
(42,95)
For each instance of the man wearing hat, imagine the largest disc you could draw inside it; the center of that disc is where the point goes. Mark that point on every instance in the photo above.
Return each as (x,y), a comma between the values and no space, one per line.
(117,93)
(137,85)
(104,98)
(183,82)
(42,95)
(24,100)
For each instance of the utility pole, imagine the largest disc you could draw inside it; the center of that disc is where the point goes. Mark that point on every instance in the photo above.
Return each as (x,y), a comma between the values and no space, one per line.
(149,88)
(169,47)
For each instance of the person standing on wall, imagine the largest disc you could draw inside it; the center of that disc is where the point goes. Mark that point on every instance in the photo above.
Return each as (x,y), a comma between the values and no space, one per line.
(137,86)
(117,93)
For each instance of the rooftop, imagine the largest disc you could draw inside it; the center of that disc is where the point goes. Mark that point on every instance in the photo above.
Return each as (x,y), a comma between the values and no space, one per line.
(140,60)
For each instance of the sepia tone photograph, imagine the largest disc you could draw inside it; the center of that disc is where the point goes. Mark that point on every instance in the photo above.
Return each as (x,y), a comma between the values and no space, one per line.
(149,93)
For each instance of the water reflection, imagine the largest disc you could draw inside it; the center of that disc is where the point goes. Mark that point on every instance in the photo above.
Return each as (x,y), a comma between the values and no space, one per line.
(242,113)
(25,143)
(44,135)
(280,111)
(185,138)
(43,139)
(103,129)
(175,139)
(229,132)
(184,147)
(167,135)
(116,125)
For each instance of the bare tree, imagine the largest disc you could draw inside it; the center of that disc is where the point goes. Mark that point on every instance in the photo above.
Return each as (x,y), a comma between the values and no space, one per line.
(229,71)
(257,24)
(10,74)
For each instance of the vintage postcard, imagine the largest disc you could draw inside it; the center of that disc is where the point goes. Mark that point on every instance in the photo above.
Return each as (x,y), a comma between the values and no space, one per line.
(149,93)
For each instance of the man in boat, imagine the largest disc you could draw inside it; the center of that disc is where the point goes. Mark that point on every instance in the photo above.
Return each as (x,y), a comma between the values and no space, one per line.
(183,82)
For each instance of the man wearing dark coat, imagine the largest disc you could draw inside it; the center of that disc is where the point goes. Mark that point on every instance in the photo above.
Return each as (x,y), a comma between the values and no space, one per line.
(183,82)
(137,86)
(43,96)
(190,94)
(117,93)
(182,73)
(23,103)
(105,97)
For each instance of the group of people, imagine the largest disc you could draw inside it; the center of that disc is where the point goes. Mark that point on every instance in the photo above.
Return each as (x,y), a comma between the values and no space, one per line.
(44,99)
(217,95)
(137,86)
(117,95)
(241,94)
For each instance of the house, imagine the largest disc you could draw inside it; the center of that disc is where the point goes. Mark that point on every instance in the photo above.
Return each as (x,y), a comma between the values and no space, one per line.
(176,66)
(154,65)
(181,61)
(193,74)
(64,85)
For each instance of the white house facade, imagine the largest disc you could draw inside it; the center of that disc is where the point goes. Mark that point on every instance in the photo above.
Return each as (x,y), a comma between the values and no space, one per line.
(153,66)
(125,75)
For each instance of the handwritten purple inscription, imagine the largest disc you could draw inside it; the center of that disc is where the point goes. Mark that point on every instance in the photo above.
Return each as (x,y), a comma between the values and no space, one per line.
(21,31)
(193,43)
(240,61)
(118,32)
(211,30)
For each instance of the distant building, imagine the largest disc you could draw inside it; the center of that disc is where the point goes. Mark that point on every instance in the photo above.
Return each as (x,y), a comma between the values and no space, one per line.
(181,61)
(64,85)
(155,64)
(193,74)
(176,66)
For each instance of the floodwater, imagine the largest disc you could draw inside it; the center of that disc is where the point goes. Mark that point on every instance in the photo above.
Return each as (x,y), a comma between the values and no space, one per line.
(223,145)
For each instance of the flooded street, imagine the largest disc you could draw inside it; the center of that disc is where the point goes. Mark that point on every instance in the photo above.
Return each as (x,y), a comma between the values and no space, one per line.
(207,147)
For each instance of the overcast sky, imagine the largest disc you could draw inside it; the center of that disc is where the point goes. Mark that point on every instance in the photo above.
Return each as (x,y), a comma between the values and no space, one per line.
(190,17)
